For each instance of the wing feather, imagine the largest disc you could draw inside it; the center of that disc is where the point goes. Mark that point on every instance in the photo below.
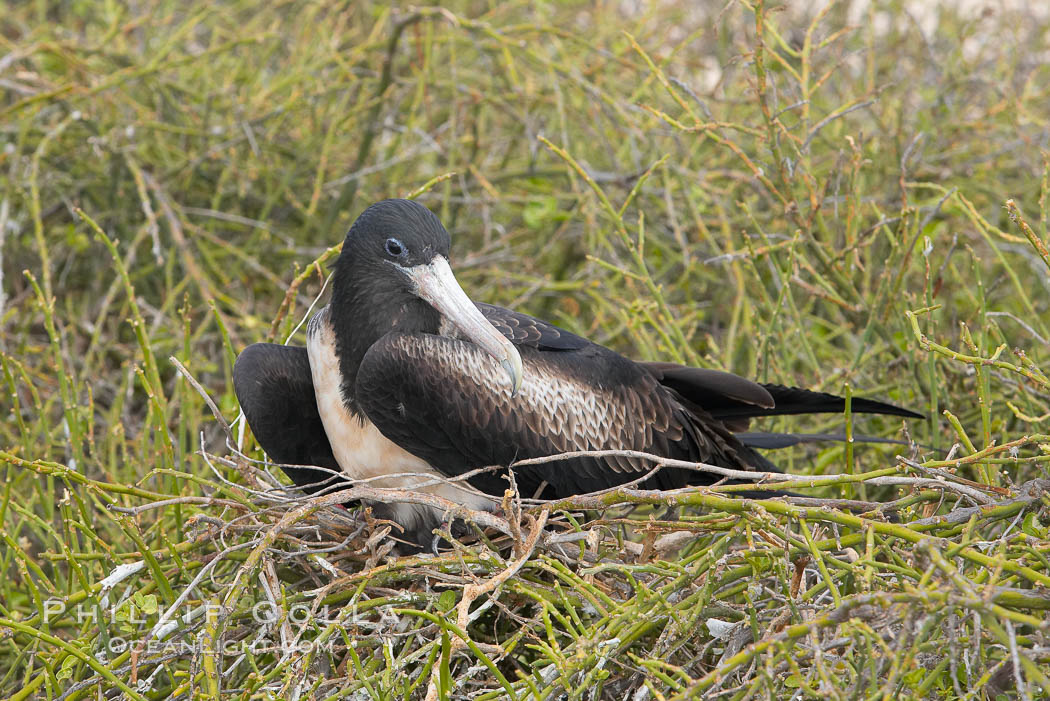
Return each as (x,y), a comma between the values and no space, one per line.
(528,331)
(276,393)
(460,415)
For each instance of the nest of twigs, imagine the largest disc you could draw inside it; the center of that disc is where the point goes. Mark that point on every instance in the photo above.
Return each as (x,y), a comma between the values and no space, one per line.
(625,593)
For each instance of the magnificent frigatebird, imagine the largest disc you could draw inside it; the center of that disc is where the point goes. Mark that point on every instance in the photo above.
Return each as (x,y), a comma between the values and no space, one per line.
(404,379)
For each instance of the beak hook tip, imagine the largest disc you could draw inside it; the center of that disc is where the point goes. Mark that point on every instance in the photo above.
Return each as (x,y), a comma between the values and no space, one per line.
(514,373)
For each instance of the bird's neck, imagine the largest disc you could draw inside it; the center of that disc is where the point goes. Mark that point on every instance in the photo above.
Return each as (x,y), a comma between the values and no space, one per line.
(360,317)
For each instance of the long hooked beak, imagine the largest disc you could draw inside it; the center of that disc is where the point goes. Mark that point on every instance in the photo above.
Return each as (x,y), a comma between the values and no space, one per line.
(436,284)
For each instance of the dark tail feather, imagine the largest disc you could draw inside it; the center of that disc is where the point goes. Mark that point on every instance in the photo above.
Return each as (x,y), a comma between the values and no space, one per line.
(773,441)
(726,396)
(794,400)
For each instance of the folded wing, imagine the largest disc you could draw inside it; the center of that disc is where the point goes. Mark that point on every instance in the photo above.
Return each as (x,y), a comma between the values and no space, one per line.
(445,400)
(276,394)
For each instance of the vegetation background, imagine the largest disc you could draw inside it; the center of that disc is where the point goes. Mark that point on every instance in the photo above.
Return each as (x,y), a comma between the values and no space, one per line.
(849,198)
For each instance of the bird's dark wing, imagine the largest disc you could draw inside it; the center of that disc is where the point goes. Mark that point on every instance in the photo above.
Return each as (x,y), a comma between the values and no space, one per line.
(276,393)
(713,390)
(530,332)
(795,400)
(449,403)
(735,399)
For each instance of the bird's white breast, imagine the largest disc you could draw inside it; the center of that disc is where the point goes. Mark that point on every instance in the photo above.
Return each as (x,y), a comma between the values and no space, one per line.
(363,453)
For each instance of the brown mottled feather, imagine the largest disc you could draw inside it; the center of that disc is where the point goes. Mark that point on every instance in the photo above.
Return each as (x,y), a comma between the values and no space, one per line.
(588,398)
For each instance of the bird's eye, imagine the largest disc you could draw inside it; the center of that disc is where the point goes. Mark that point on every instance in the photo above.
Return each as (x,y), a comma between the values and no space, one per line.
(394,247)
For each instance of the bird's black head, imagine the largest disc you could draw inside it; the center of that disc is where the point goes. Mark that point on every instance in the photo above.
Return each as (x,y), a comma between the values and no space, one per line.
(393,275)
(371,280)
(399,233)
